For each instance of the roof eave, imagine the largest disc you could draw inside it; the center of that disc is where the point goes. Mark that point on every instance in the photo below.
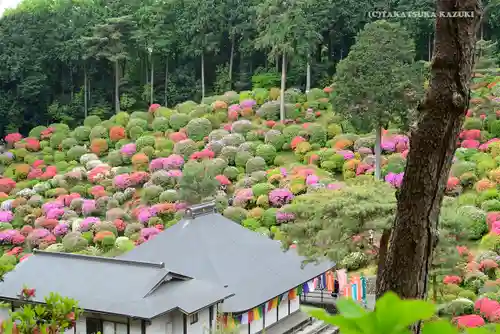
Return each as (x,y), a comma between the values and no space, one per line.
(250,308)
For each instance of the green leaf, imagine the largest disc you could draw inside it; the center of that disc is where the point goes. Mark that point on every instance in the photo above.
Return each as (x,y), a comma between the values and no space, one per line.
(394,314)
(439,327)
(479,330)
(350,309)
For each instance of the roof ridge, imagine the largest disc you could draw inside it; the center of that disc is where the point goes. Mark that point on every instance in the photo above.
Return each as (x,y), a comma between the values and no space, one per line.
(159,265)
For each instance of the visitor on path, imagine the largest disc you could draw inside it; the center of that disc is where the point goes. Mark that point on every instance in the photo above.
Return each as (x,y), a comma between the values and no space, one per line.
(336,289)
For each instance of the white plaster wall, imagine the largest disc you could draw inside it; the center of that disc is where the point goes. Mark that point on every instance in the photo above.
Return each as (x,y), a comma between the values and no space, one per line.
(159,325)
(135,326)
(294,305)
(4,313)
(283,309)
(203,324)
(271,317)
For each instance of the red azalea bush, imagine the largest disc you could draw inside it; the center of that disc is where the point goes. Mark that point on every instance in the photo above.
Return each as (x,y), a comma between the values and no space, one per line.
(469,321)
(153,107)
(202,155)
(177,136)
(32,144)
(452,280)
(453,183)
(12,138)
(116,133)
(296,141)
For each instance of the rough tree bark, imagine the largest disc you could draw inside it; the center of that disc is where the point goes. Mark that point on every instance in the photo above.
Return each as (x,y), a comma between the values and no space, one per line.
(432,143)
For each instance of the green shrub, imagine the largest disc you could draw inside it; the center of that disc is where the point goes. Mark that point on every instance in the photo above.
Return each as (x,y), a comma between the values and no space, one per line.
(231,173)
(236,214)
(178,121)
(474,221)
(75,153)
(198,128)
(114,159)
(56,140)
(354,261)
(92,121)
(334,130)
(473,124)
(262,189)
(82,133)
(490,241)
(255,164)
(458,307)
(317,134)
(151,194)
(275,138)
(185,148)
(462,167)
(99,132)
(69,143)
(229,154)
(267,152)
(170,196)
(36,132)
(144,141)
(141,115)
(241,158)
(491,205)
(60,128)
(160,124)
(186,107)
(291,132)
(488,194)
(315,94)
(135,132)
(122,118)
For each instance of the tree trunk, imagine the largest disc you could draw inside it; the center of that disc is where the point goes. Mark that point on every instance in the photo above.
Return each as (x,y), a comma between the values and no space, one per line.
(231,62)
(378,152)
(308,76)
(277,63)
(283,84)
(151,99)
(432,146)
(166,83)
(85,91)
(434,288)
(382,252)
(429,47)
(117,88)
(202,76)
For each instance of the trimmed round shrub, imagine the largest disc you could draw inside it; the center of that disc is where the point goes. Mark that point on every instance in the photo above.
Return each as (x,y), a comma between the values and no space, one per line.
(233,139)
(241,158)
(82,133)
(74,242)
(151,194)
(140,115)
(473,124)
(334,130)
(36,132)
(317,134)
(241,126)
(491,242)
(491,205)
(99,132)
(178,121)
(291,132)
(139,122)
(170,196)
(268,152)
(236,214)
(186,107)
(255,164)
(215,166)
(59,127)
(144,141)
(231,173)
(122,118)
(354,261)
(114,159)
(92,121)
(262,189)
(135,132)
(474,221)
(275,138)
(229,154)
(198,128)
(75,153)
(69,143)
(185,148)
(56,140)
(217,134)
(160,124)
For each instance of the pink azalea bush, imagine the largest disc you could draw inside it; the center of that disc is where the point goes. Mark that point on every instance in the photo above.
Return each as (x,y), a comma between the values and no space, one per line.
(280,197)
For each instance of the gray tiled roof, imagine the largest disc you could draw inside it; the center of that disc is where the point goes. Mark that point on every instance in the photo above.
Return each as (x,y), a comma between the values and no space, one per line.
(131,288)
(215,249)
